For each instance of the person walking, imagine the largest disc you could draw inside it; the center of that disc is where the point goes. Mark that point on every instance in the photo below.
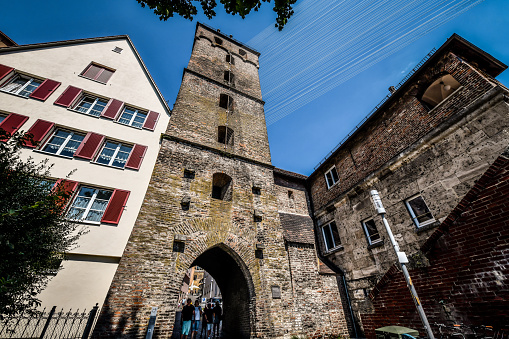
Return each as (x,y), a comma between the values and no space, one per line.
(209,317)
(187,317)
(196,319)
(218,314)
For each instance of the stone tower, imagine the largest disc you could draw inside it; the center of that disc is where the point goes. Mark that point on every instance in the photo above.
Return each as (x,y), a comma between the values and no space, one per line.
(212,203)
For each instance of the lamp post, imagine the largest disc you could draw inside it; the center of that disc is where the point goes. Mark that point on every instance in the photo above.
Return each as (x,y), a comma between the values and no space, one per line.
(403,260)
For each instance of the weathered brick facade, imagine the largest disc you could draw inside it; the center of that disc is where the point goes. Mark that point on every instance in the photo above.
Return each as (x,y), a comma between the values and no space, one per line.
(407,149)
(271,287)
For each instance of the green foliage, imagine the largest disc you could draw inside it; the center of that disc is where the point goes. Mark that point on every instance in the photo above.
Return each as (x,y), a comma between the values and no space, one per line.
(167,8)
(34,233)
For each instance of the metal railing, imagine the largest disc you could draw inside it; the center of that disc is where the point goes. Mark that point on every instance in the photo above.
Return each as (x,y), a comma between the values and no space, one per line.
(50,324)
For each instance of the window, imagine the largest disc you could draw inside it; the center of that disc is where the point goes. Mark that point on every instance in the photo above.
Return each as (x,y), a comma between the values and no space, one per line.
(2,118)
(90,105)
(230,59)
(132,117)
(225,135)
(331,176)
(63,143)
(221,186)
(242,52)
(218,41)
(225,101)
(228,76)
(439,90)
(331,236)
(291,200)
(98,73)
(257,190)
(89,204)
(21,85)
(371,232)
(419,211)
(114,154)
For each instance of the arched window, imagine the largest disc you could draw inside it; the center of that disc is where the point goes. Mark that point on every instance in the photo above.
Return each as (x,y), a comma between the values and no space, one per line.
(439,90)
(225,101)
(228,76)
(230,59)
(225,135)
(218,41)
(222,187)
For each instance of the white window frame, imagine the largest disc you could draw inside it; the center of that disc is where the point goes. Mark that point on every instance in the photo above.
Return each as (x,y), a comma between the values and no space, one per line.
(368,237)
(64,144)
(412,214)
(88,208)
(136,111)
(114,156)
(332,177)
(96,99)
(336,246)
(17,92)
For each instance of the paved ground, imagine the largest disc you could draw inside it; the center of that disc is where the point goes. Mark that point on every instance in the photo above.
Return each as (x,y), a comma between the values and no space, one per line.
(201,335)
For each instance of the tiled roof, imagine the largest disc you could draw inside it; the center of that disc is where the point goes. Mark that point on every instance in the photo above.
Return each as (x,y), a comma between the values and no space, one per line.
(288,173)
(297,228)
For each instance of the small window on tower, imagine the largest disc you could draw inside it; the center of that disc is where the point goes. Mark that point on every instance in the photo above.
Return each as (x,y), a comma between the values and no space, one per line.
(222,187)
(242,52)
(225,135)
(230,59)
(228,76)
(218,41)
(439,90)
(225,101)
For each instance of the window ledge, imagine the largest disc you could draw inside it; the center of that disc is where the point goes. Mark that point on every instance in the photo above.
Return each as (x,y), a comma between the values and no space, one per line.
(83,113)
(17,95)
(99,82)
(53,154)
(109,166)
(335,249)
(376,244)
(427,227)
(329,187)
(441,103)
(139,128)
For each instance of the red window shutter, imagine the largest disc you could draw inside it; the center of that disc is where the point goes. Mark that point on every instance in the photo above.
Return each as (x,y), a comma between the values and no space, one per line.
(47,87)
(104,76)
(91,72)
(12,123)
(67,186)
(151,121)
(115,207)
(89,146)
(4,70)
(39,131)
(136,156)
(67,98)
(112,109)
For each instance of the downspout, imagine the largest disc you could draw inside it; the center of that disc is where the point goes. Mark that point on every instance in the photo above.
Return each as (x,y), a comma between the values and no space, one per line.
(329,263)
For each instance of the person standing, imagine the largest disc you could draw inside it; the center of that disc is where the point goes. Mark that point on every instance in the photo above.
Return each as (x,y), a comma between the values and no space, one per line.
(209,317)
(218,314)
(187,317)
(196,319)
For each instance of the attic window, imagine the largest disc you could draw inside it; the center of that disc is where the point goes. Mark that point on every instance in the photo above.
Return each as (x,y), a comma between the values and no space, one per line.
(228,76)
(439,90)
(222,187)
(98,73)
(225,101)
(117,50)
(225,135)
(218,41)
(230,59)
(242,52)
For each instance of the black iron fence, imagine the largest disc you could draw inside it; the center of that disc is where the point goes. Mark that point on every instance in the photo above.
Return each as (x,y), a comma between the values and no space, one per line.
(50,324)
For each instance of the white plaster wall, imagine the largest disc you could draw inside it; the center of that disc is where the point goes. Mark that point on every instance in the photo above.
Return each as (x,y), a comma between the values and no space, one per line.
(130,84)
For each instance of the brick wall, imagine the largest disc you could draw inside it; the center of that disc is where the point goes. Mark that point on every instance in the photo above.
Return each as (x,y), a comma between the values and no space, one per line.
(466,279)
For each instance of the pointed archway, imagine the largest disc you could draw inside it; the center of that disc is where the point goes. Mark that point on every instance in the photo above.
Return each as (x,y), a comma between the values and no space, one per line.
(234,280)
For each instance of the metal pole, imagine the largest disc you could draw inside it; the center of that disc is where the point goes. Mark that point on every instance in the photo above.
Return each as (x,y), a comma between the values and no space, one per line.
(403,260)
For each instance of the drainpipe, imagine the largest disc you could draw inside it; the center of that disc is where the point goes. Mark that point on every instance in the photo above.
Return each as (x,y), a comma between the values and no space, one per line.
(329,263)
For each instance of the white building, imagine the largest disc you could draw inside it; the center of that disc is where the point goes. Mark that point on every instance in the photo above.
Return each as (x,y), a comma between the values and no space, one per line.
(94,108)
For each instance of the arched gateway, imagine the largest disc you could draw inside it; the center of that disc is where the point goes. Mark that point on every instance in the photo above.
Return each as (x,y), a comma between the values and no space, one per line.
(216,206)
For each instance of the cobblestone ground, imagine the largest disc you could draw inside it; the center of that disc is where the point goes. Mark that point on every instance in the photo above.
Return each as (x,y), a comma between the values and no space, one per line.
(202,334)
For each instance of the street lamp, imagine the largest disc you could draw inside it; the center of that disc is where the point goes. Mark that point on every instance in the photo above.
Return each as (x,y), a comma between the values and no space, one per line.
(403,260)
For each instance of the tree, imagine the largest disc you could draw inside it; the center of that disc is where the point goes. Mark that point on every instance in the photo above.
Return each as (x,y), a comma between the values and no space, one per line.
(34,231)
(167,8)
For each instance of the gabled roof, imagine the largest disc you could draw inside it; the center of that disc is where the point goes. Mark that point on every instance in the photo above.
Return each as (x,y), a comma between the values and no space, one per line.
(90,40)
(5,37)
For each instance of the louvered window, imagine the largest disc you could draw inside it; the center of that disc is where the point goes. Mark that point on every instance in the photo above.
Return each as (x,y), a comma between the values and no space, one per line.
(89,205)
(63,143)
(114,154)
(21,85)
(98,73)
(132,117)
(90,105)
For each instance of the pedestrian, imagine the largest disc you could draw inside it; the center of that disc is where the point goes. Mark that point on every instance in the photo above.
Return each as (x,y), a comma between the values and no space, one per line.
(209,317)
(196,319)
(187,317)
(218,314)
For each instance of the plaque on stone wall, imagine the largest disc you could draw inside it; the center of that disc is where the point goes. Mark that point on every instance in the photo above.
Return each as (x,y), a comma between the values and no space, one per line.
(276,292)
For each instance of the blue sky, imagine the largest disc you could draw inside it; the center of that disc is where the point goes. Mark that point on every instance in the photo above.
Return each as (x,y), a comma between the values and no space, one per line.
(298,141)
